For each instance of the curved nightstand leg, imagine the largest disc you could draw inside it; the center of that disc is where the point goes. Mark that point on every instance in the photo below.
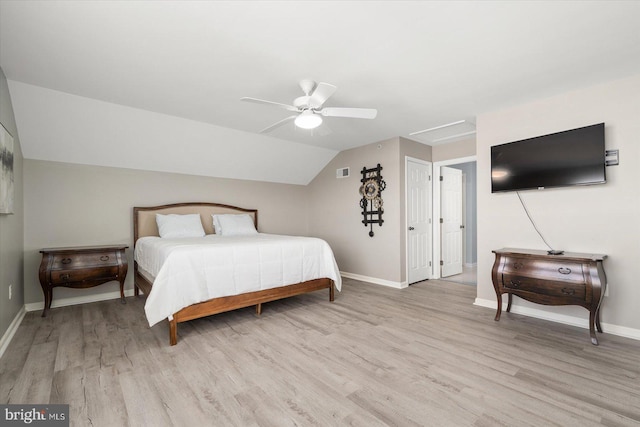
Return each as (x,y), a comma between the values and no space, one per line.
(509,303)
(592,330)
(47,302)
(122,300)
(499,311)
(598,326)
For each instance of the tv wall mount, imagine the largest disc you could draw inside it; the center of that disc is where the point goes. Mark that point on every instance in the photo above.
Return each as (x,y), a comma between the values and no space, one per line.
(371,191)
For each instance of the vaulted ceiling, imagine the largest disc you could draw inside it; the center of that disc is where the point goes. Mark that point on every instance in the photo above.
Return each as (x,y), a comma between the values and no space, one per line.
(166,76)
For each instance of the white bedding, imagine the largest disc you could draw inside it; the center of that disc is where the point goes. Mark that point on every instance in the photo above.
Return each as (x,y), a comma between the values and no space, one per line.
(192,270)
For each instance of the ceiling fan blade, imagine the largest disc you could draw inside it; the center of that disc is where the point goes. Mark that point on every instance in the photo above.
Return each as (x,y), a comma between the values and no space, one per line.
(356,113)
(277,124)
(321,94)
(262,101)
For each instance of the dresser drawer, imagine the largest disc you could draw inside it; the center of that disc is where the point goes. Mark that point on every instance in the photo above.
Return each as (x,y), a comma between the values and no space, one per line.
(77,261)
(544,269)
(544,287)
(59,277)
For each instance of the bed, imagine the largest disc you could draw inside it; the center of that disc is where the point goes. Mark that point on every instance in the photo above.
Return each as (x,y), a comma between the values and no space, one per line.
(183,292)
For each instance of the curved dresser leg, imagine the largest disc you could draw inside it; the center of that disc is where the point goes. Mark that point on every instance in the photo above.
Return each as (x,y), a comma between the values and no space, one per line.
(499,311)
(122,300)
(598,326)
(592,330)
(509,303)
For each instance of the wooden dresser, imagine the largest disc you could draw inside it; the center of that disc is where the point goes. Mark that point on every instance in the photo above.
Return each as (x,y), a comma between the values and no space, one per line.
(81,267)
(568,279)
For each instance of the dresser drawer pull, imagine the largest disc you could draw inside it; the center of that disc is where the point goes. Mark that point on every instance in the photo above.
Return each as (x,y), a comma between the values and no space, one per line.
(564,270)
(514,283)
(65,276)
(566,291)
(66,260)
(104,258)
(518,265)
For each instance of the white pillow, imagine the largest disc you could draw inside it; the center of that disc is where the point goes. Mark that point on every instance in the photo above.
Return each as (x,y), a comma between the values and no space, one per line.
(234,225)
(176,226)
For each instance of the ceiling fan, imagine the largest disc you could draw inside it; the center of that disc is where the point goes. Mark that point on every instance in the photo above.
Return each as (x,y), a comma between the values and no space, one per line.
(309,108)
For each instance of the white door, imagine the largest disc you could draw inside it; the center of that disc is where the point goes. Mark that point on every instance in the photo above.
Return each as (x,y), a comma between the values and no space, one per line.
(418,221)
(451,220)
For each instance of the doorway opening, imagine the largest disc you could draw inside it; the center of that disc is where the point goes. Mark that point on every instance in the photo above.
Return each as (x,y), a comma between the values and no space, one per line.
(455,224)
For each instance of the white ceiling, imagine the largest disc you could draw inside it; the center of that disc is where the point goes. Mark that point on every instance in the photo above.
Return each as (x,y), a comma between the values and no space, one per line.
(421,64)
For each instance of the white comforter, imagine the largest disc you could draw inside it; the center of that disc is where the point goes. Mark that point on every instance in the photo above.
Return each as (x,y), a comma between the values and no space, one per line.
(192,270)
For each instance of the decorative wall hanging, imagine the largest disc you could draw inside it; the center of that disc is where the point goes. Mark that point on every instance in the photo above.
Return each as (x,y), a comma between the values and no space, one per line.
(6,171)
(371,192)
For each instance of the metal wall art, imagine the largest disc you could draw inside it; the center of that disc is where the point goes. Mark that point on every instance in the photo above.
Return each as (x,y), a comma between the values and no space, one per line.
(371,192)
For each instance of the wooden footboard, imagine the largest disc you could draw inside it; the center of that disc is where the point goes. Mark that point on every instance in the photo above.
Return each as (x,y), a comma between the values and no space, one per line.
(233,302)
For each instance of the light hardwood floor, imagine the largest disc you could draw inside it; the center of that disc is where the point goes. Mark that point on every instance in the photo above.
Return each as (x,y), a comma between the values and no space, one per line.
(376,356)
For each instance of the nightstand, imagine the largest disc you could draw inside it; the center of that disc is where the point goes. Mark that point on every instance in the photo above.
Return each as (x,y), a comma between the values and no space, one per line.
(81,267)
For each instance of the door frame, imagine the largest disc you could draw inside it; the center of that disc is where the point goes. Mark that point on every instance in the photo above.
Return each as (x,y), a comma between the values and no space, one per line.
(435,233)
(407,159)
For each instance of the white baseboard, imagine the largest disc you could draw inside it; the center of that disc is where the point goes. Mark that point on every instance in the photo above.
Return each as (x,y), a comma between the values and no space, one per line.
(63,302)
(608,328)
(11,331)
(472,264)
(374,280)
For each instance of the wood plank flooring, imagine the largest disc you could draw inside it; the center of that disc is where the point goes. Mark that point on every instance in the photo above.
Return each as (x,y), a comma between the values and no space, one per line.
(422,356)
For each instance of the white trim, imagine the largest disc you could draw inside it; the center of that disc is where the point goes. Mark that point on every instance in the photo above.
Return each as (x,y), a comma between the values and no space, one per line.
(580,322)
(408,159)
(64,302)
(375,280)
(435,235)
(470,264)
(11,331)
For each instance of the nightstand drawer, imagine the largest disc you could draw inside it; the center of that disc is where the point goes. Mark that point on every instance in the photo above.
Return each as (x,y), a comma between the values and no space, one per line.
(544,269)
(544,287)
(78,275)
(72,261)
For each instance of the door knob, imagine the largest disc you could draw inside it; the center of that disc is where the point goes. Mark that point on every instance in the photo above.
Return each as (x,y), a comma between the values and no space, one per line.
(411,228)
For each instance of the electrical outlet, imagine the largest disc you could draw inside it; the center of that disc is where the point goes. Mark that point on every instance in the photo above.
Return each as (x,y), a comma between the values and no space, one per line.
(10,291)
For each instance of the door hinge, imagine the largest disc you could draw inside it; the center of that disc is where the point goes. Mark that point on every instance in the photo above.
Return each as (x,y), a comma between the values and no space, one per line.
(441,178)
(441,263)
(429,263)
(441,221)
(429,177)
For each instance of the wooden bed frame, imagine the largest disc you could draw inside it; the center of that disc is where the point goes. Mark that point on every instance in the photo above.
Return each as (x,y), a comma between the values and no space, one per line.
(144,224)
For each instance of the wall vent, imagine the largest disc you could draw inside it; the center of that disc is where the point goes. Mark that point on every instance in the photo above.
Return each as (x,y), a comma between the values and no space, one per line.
(342,173)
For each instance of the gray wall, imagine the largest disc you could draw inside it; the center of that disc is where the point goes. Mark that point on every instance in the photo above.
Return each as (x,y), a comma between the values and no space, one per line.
(77,205)
(335,211)
(591,219)
(11,226)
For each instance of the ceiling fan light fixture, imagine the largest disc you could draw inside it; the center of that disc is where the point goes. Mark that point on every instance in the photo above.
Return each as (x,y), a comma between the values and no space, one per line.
(308,120)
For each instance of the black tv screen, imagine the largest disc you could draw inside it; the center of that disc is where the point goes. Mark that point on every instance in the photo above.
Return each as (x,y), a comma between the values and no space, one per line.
(572,157)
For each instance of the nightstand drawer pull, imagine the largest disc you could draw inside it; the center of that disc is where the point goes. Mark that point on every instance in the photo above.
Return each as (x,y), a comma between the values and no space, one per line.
(65,276)
(515,283)
(517,265)
(104,258)
(66,260)
(564,270)
(567,291)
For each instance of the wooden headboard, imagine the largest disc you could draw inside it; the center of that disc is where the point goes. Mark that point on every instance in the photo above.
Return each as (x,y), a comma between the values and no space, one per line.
(144,218)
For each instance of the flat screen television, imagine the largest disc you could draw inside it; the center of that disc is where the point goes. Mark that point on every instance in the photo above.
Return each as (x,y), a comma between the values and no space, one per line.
(572,157)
